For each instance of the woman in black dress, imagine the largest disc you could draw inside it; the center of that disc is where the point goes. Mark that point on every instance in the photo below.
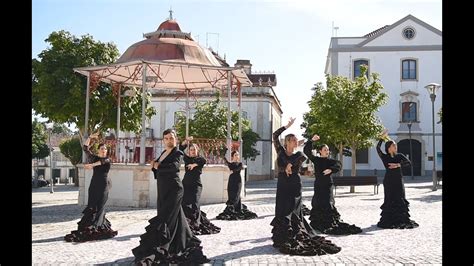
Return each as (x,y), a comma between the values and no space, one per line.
(291,232)
(193,164)
(395,206)
(168,238)
(324,215)
(94,225)
(235,209)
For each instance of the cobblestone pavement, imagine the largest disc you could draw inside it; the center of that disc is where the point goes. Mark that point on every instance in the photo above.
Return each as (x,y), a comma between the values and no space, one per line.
(247,242)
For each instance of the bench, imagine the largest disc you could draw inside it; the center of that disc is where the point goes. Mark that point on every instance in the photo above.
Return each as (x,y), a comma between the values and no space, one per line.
(356,181)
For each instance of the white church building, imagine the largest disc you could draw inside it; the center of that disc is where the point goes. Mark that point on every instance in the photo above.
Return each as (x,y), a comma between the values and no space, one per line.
(408,57)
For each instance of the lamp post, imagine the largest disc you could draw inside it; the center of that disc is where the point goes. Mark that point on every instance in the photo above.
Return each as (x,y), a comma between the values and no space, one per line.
(411,151)
(432,89)
(49,127)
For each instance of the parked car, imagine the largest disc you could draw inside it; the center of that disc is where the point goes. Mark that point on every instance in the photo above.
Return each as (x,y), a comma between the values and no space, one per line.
(39,182)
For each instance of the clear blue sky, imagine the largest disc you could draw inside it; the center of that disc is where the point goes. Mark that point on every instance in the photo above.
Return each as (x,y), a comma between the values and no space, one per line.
(289,37)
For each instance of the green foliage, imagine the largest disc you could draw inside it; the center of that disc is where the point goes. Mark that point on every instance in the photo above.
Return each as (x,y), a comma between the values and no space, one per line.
(210,122)
(39,138)
(60,94)
(344,113)
(72,149)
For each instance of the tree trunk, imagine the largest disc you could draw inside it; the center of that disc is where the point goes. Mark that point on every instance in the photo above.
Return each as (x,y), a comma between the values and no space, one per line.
(354,170)
(341,159)
(76,176)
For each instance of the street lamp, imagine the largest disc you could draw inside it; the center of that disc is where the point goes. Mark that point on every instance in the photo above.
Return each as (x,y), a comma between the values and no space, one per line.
(49,127)
(432,89)
(411,156)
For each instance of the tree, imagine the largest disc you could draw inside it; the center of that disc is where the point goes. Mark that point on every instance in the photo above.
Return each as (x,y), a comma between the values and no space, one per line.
(210,122)
(346,112)
(72,149)
(61,129)
(39,146)
(326,116)
(60,94)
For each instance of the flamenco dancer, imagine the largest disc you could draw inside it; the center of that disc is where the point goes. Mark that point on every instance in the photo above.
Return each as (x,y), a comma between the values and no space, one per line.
(94,225)
(168,238)
(193,164)
(395,206)
(235,209)
(324,215)
(291,233)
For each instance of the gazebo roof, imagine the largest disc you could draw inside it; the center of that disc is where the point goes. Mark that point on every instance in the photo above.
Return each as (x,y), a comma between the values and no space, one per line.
(173,60)
(166,75)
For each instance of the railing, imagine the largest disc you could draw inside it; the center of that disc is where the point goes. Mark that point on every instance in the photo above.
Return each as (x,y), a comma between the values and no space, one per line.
(129,149)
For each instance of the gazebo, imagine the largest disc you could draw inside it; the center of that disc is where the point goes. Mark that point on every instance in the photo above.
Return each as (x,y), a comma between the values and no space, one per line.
(166,59)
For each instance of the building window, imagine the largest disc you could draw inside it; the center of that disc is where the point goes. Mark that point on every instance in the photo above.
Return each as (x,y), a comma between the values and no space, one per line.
(409,33)
(409,69)
(357,65)
(362,155)
(409,112)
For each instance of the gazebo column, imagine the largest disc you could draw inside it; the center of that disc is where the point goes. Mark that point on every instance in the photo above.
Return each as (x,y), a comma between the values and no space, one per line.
(143,134)
(187,113)
(86,122)
(240,118)
(229,114)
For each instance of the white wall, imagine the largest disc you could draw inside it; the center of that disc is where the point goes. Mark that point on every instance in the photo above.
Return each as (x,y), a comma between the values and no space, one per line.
(135,186)
(388,65)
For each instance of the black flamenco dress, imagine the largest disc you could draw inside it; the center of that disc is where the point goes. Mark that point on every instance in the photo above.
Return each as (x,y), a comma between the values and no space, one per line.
(291,233)
(395,212)
(192,185)
(168,238)
(94,225)
(235,209)
(305,209)
(324,216)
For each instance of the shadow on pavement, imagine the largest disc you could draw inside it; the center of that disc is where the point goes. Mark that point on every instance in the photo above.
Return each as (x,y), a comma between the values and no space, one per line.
(260,250)
(56,213)
(429,198)
(67,212)
(46,240)
(124,261)
(61,238)
(255,240)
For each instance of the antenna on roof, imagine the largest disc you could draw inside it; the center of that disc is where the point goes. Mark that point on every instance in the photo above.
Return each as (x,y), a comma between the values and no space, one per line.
(334,30)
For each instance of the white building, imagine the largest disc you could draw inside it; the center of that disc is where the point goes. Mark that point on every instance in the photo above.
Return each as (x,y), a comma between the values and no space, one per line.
(61,169)
(408,56)
(260,105)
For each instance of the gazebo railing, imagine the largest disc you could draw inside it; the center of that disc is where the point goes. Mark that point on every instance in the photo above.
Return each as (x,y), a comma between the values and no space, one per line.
(129,149)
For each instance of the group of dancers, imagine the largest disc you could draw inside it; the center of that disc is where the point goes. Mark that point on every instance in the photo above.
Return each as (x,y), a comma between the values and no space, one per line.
(170,236)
